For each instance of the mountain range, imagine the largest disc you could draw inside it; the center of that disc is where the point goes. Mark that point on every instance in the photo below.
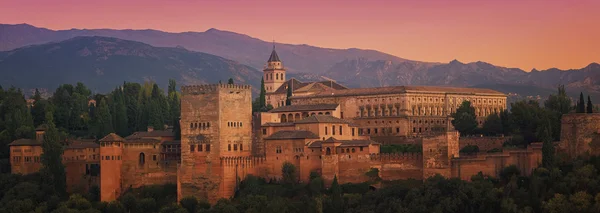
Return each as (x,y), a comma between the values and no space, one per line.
(227,54)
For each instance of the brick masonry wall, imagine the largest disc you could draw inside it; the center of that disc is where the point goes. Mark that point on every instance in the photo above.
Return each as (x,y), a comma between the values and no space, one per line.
(484,143)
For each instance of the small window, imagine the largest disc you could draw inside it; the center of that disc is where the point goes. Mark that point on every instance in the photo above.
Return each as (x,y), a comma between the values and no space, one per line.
(234,147)
(352,131)
(264,131)
(333,130)
(397,130)
(154,157)
(241,149)
(341,131)
(325,130)
(342,150)
(208,147)
(228,147)
(375,130)
(200,148)
(192,148)
(353,150)
(361,148)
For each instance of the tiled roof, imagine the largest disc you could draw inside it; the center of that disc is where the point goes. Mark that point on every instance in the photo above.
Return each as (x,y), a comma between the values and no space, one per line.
(142,140)
(278,124)
(274,56)
(402,89)
(112,137)
(25,142)
(155,133)
(343,143)
(321,119)
(296,108)
(296,85)
(292,134)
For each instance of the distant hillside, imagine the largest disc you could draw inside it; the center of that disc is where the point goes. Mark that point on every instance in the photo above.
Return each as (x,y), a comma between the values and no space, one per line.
(104,63)
(368,73)
(230,45)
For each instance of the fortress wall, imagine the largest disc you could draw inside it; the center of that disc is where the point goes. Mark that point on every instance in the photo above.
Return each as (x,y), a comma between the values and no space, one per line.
(397,166)
(484,143)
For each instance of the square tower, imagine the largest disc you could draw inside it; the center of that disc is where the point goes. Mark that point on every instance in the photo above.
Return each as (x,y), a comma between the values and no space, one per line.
(274,73)
(216,122)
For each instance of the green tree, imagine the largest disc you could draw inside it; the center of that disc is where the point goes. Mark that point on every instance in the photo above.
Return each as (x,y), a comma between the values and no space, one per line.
(464,119)
(581,104)
(290,175)
(590,106)
(288,100)
(558,204)
(493,125)
(53,170)
(132,92)
(120,109)
(103,123)
(190,203)
(230,81)
(262,100)
(336,196)
(547,147)
(582,201)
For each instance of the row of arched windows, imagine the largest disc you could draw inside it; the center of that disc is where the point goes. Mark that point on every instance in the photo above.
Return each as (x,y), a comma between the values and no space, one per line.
(201,148)
(234,124)
(202,125)
(278,76)
(291,117)
(235,147)
(111,157)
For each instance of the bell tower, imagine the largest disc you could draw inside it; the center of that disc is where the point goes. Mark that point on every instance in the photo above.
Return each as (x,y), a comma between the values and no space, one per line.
(274,72)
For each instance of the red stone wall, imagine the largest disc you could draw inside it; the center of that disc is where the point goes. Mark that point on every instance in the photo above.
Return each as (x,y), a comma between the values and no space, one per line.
(484,143)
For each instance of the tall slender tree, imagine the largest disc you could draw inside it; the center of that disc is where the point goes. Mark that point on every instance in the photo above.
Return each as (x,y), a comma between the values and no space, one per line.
(590,107)
(103,123)
(581,104)
(262,97)
(120,110)
(53,170)
(336,196)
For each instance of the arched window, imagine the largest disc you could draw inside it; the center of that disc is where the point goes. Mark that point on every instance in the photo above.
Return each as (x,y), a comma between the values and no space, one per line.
(142,159)
(228,147)
(283,118)
(342,150)
(347,150)
(353,150)
(328,151)
(327,113)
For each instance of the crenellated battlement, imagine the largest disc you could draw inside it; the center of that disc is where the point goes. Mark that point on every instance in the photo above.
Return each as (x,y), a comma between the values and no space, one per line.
(396,156)
(208,88)
(247,161)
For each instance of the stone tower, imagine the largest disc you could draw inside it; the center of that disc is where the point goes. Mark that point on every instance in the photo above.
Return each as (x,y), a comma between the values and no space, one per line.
(274,72)
(111,150)
(216,124)
(439,150)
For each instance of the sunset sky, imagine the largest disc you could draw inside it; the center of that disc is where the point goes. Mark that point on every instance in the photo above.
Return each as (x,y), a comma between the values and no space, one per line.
(513,33)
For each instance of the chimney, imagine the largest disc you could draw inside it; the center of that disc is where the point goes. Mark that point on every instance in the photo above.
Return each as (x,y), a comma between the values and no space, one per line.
(150,128)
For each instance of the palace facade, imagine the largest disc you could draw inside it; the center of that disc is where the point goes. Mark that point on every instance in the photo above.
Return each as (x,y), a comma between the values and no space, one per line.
(328,128)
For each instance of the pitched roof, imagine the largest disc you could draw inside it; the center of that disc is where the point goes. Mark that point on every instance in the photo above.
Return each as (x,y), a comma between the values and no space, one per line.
(296,108)
(112,137)
(321,119)
(274,56)
(343,143)
(403,89)
(25,142)
(278,124)
(296,85)
(142,140)
(155,133)
(292,134)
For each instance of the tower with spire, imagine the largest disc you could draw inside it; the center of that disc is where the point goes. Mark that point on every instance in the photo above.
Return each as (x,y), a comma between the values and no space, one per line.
(274,73)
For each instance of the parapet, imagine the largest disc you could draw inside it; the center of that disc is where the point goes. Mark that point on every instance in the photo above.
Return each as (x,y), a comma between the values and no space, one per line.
(208,88)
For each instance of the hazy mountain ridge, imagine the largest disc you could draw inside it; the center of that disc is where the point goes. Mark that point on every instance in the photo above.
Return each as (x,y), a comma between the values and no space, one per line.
(238,47)
(104,63)
(351,67)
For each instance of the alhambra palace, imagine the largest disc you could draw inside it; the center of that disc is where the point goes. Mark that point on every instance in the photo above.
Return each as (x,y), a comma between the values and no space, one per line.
(328,128)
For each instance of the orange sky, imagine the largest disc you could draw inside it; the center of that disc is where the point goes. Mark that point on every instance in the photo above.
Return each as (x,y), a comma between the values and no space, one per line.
(513,33)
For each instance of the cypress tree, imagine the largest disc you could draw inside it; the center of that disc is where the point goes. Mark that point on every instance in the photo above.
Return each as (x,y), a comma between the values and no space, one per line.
(581,104)
(103,123)
(590,107)
(53,170)
(336,196)
(120,122)
(262,98)
(547,147)
(230,81)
